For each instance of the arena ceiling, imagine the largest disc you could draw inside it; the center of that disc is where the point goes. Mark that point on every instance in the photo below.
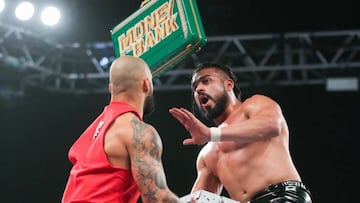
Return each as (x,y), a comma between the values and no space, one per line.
(248,35)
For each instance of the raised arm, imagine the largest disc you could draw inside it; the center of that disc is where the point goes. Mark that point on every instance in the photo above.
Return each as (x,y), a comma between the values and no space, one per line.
(146,165)
(263,119)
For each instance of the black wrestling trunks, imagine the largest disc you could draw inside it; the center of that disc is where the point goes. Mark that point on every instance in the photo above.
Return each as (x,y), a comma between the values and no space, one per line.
(285,192)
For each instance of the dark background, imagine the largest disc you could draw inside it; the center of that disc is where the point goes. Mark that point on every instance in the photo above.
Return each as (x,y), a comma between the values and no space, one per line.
(37,132)
(38,129)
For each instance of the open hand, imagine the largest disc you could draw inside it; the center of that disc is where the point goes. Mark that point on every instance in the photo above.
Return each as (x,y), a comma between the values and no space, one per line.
(200,133)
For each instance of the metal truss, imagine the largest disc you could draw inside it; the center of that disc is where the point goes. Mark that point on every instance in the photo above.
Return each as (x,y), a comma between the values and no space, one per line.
(306,58)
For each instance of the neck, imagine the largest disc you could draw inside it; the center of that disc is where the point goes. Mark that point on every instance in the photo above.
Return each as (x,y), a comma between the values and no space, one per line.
(136,103)
(230,108)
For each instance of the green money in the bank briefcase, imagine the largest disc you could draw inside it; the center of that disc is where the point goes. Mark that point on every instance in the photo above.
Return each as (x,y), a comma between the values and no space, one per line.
(162,32)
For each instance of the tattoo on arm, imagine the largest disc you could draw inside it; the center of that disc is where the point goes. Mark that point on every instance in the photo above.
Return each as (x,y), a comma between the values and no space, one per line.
(147,149)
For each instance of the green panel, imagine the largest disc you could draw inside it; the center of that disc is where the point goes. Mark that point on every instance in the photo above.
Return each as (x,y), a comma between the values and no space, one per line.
(162,32)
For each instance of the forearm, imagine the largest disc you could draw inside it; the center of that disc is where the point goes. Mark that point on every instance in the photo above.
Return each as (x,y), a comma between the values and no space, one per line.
(247,131)
(216,189)
(206,181)
(164,196)
(151,181)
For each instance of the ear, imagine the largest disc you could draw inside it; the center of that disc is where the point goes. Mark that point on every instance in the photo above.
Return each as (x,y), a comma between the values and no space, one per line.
(110,88)
(146,85)
(229,84)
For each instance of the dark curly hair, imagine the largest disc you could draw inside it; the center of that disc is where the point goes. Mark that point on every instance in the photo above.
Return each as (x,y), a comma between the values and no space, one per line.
(227,70)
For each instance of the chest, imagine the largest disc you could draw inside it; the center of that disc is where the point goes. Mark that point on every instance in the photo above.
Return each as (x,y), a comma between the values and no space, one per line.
(224,156)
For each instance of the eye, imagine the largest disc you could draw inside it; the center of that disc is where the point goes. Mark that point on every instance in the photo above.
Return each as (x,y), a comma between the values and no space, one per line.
(205,81)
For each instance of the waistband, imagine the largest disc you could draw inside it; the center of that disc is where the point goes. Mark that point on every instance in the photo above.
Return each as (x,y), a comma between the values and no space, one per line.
(289,185)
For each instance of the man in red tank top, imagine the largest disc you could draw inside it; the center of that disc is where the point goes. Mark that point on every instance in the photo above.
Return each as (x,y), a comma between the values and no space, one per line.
(117,159)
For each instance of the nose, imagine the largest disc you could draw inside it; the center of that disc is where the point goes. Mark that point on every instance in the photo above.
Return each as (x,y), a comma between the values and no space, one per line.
(199,88)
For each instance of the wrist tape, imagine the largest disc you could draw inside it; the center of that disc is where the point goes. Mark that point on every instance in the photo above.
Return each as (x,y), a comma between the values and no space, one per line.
(215,134)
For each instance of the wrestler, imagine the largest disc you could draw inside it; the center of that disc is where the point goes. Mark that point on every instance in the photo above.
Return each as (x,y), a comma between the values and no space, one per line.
(117,158)
(246,152)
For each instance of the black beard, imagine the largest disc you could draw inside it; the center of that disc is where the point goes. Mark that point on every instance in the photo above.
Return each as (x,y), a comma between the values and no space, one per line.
(149,105)
(221,102)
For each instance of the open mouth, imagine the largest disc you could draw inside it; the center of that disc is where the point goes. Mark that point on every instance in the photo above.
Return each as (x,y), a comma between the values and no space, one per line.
(203,99)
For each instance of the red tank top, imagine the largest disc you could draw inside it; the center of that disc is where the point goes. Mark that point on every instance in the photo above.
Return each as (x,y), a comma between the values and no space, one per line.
(92,178)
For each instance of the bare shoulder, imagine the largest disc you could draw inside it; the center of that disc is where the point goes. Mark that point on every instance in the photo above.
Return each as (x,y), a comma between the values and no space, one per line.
(144,140)
(120,129)
(143,130)
(119,140)
(206,151)
(129,128)
(261,104)
(122,126)
(260,100)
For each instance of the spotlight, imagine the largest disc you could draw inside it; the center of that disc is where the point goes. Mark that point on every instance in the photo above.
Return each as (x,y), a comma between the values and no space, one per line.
(24,11)
(2,5)
(50,16)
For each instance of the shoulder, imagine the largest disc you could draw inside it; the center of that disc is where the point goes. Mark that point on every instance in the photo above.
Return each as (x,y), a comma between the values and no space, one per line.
(207,156)
(135,132)
(259,97)
(261,103)
(130,119)
(144,140)
(129,125)
(206,150)
(261,100)
(138,127)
